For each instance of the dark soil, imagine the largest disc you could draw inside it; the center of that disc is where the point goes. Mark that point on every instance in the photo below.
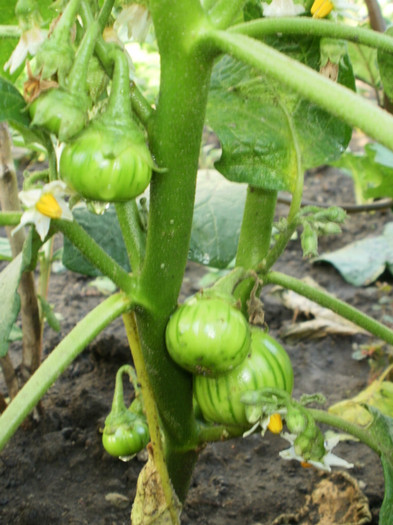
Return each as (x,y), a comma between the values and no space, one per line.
(54,470)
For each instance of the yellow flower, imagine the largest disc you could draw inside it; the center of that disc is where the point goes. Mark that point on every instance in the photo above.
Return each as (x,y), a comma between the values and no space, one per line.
(321,8)
(43,205)
(275,424)
(343,8)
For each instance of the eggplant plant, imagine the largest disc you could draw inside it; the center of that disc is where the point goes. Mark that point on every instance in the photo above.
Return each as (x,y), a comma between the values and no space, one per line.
(274,81)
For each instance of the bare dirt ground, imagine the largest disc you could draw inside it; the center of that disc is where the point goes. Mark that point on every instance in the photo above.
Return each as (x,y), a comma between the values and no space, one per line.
(54,471)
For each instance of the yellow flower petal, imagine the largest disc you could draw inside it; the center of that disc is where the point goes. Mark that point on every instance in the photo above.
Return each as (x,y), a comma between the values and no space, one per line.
(275,424)
(321,8)
(48,206)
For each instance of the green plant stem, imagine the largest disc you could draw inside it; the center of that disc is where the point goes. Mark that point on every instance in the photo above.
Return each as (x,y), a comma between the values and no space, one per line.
(175,132)
(10,31)
(328,301)
(295,168)
(10,218)
(102,49)
(140,105)
(57,361)
(118,404)
(150,407)
(255,234)
(134,239)
(212,433)
(278,248)
(312,27)
(256,229)
(62,29)
(96,255)
(223,12)
(105,13)
(329,419)
(78,74)
(332,97)
(119,107)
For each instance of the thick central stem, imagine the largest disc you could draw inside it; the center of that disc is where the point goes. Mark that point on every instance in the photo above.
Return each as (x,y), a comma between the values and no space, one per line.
(175,136)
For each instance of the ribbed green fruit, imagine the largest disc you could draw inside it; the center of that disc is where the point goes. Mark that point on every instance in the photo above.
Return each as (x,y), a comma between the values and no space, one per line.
(266,365)
(208,336)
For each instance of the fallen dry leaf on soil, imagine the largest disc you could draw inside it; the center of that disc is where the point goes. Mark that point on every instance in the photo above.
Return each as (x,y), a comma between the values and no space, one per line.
(324,321)
(336,499)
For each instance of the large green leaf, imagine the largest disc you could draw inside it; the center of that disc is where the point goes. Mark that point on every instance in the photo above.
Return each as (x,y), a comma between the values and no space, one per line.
(266,131)
(217,219)
(105,230)
(365,64)
(215,229)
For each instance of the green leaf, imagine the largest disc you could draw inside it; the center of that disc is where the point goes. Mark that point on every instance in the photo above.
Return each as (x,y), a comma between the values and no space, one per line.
(12,104)
(362,262)
(364,63)
(10,300)
(217,219)
(49,314)
(382,431)
(14,110)
(105,230)
(372,172)
(5,249)
(385,63)
(265,131)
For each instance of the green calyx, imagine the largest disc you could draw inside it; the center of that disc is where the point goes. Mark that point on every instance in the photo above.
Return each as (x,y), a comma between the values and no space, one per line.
(56,55)
(48,63)
(126,431)
(310,442)
(60,112)
(63,111)
(224,287)
(296,420)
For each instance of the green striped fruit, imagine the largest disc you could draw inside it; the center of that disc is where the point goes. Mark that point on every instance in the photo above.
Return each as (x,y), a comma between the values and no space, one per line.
(267,365)
(208,336)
